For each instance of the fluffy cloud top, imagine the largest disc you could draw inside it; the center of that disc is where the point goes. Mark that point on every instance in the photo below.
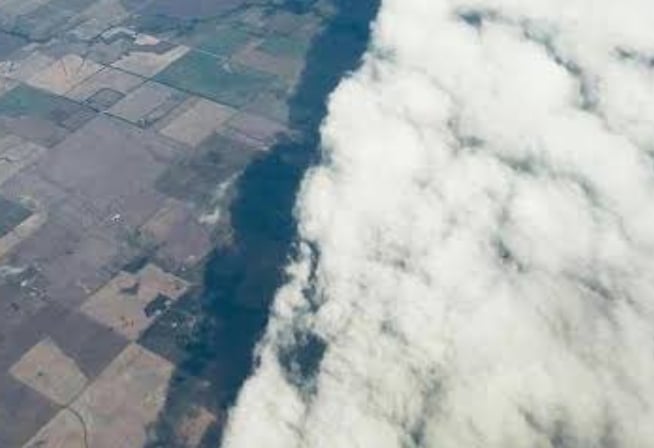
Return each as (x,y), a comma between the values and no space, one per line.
(478,263)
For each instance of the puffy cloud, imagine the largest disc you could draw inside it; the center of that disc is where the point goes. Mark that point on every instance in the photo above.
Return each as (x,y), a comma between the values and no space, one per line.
(478,243)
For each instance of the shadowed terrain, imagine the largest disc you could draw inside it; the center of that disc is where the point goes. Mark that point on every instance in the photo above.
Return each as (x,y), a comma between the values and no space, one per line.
(241,277)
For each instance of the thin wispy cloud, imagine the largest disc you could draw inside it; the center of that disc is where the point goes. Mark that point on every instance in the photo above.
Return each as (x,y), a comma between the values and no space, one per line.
(478,243)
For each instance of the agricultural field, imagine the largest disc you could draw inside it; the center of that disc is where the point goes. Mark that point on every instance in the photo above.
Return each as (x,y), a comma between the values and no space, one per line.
(125,126)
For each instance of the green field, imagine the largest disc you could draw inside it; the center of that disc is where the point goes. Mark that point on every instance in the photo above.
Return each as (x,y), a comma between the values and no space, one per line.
(288,47)
(206,76)
(28,101)
(223,41)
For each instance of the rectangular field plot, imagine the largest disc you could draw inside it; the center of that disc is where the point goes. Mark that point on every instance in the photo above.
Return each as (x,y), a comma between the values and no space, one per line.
(11,214)
(48,18)
(207,76)
(224,41)
(25,101)
(287,47)
(148,104)
(64,74)
(196,178)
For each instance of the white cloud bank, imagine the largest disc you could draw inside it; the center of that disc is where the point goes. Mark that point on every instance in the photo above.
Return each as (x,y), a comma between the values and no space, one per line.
(485,226)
